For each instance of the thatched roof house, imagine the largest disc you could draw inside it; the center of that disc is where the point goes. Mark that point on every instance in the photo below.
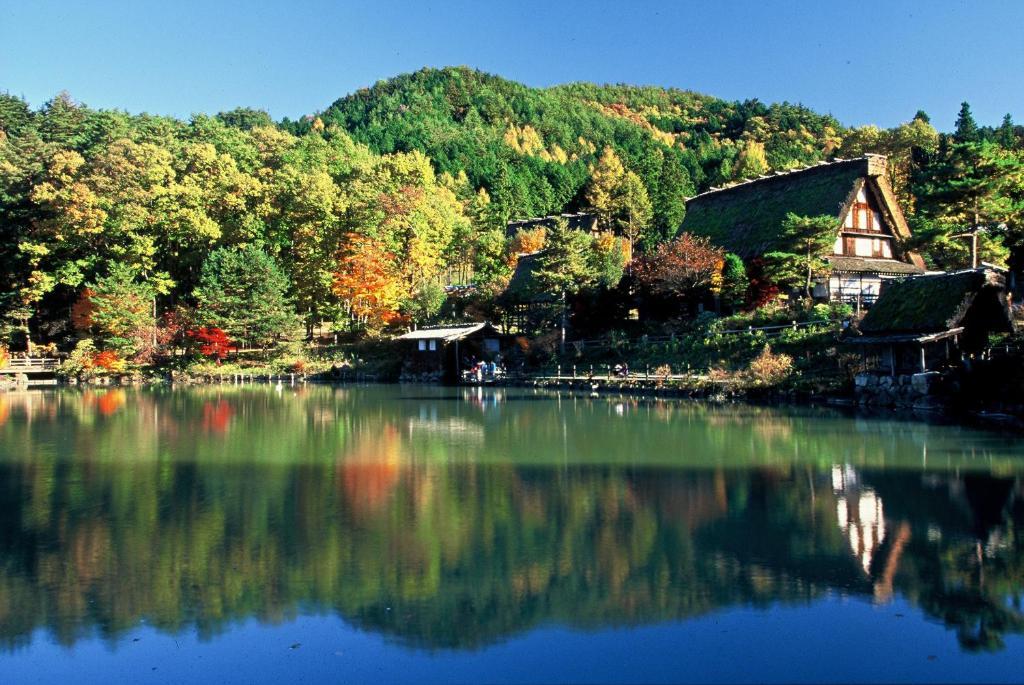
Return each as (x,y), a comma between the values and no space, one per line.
(746,218)
(581,221)
(937,316)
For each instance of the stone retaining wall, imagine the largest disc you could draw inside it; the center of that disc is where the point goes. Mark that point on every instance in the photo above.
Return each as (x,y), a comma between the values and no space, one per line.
(918,390)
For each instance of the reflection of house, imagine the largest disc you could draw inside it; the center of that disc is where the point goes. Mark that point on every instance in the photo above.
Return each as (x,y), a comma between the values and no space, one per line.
(860,514)
(923,323)
(746,219)
(439,352)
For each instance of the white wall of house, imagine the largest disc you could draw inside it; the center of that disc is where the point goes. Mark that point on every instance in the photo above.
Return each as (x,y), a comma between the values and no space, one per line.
(851,286)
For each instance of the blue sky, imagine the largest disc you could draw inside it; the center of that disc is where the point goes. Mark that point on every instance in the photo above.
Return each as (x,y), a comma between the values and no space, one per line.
(865,62)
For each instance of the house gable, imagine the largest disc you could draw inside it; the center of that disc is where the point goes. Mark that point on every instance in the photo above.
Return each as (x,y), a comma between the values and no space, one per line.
(746,218)
(865,229)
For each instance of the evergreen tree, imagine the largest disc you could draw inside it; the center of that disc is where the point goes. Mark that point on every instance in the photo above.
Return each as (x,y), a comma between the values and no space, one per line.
(806,241)
(969,191)
(15,115)
(566,266)
(243,291)
(734,282)
(121,311)
(966,130)
(1005,134)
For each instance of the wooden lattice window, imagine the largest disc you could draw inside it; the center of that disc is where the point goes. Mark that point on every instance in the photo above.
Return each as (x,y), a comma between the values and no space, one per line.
(864,214)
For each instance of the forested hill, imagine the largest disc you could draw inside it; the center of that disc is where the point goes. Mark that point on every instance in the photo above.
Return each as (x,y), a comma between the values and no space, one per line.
(362,213)
(532,148)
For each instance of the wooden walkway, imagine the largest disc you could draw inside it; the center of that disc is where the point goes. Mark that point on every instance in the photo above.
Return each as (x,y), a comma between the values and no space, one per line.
(30,366)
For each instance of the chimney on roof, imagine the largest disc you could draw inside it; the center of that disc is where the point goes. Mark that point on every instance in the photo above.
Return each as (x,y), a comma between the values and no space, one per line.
(876,165)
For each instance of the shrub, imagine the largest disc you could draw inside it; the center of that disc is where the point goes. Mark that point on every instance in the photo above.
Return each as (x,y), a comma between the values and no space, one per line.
(662,373)
(821,312)
(769,368)
(108,360)
(213,342)
(5,356)
(79,363)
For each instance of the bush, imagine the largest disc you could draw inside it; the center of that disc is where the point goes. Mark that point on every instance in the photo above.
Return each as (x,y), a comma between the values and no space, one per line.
(769,368)
(5,356)
(108,360)
(662,373)
(79,363)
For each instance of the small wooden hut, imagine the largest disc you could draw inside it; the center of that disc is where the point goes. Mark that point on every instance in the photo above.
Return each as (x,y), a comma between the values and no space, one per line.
(927,322)
(442,352)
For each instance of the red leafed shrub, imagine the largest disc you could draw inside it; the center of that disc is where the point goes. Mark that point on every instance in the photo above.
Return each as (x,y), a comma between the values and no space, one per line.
(108,360)
(213,342)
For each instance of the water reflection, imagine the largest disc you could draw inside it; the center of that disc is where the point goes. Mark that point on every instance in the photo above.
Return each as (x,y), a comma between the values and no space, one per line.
(456,520)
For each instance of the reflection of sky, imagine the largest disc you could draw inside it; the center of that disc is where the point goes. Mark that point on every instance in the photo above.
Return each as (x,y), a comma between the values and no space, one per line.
(787,644)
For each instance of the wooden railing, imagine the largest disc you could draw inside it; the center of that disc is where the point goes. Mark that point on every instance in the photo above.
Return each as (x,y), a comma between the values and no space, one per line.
(31,364)
(768,331)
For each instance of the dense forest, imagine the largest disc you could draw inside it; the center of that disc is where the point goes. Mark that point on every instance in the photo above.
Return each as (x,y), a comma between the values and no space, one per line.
(133,231)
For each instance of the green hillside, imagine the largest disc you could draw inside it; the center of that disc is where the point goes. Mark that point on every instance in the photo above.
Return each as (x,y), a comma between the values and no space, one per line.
(531,147)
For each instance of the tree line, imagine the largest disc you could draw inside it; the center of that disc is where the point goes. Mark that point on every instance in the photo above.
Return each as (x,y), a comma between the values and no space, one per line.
(141,232)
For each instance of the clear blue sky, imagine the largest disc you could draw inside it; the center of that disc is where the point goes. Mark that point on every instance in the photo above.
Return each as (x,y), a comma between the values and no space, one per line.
(865,62)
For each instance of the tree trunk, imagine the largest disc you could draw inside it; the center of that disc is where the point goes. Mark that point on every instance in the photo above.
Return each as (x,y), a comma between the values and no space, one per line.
(807,285)
(564,323)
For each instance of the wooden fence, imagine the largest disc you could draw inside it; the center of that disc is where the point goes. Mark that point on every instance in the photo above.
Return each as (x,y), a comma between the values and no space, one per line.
(773,331)
(31,365)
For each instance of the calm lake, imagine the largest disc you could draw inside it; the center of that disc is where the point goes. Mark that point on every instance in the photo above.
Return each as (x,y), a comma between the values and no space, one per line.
(283,534)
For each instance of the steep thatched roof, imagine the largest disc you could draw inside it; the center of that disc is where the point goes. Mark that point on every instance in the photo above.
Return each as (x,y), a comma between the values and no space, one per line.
(936,303)
(522,287)
(746,218)
(582,221)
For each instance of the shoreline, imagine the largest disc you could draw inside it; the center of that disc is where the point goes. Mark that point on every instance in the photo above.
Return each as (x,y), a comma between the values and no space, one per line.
(718,393)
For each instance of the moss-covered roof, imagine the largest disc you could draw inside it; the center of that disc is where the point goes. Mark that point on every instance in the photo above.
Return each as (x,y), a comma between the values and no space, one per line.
(580,221)
(929,304)
(841,264)
(523,287)
(746,218)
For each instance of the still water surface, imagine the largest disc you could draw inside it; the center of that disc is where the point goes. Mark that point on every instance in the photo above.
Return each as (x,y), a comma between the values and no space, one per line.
(262,534)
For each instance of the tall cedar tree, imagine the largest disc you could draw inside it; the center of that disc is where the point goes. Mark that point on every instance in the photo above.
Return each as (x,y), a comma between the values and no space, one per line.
(244,292)
(966,130)
(970,192)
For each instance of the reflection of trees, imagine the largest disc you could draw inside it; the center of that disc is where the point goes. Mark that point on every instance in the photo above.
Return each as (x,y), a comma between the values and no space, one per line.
(964,558)
(203,508)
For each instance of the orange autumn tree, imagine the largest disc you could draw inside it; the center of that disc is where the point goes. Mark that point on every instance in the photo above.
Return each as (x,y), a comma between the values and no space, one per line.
(368,282)
(82,311)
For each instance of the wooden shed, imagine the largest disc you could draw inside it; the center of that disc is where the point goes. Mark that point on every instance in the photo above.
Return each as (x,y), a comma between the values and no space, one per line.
(442,352)
(928,322)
